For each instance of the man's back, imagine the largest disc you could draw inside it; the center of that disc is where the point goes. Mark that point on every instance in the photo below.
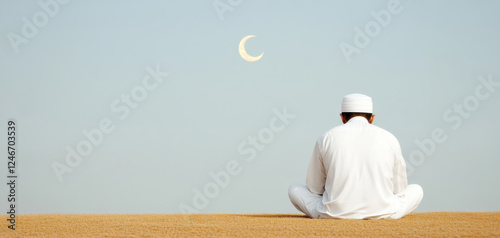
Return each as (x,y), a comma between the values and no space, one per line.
(356,171)
(363,168)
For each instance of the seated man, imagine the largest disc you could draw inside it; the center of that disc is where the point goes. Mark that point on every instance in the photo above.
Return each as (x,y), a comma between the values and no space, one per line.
(357,171)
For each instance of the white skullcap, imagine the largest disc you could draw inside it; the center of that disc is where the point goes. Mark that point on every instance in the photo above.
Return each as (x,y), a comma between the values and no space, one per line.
(357,103)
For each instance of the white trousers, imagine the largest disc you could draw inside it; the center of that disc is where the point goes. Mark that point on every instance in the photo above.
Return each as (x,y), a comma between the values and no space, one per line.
(309,203)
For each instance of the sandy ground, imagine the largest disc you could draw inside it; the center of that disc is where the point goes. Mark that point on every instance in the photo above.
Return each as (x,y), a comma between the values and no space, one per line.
(483,224)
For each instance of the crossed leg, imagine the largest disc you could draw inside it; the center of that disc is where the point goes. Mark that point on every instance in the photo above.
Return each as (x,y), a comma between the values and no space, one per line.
(304,200)
(309,203)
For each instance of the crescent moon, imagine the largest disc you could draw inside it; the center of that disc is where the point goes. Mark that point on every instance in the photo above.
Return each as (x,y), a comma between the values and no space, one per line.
(243,52)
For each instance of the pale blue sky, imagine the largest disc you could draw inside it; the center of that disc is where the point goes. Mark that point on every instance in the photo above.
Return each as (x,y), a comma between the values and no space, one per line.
(64,80)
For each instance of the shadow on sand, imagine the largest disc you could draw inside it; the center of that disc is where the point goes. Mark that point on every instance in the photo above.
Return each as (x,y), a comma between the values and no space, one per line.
(275,216)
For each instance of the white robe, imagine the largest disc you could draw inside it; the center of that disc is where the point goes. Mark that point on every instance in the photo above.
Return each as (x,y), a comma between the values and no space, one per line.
(357,171)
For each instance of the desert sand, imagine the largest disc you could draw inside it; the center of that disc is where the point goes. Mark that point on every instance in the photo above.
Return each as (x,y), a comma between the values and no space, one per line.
(477,224)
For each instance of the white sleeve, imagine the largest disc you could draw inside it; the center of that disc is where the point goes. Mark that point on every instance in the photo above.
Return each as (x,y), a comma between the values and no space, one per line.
(399,179)
(316,174)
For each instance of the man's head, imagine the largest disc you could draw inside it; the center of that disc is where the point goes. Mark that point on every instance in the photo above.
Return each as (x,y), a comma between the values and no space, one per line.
(354,105)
